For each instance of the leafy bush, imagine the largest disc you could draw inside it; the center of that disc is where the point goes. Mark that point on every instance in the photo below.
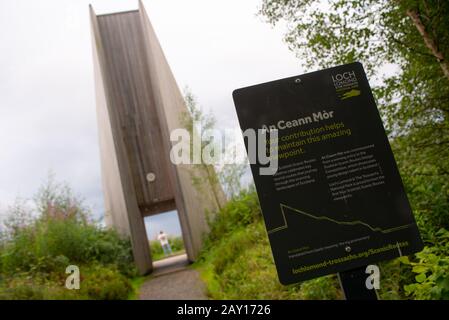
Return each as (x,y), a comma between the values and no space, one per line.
(97,283)
(394,275)
(22,288)
(243,210)
(322,288)
(104,283)
(47,244)
(36,250)
(237,262)
(427,188)
(432,271)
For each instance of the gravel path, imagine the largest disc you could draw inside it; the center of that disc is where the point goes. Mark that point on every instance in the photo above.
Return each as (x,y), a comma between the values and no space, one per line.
(173,280)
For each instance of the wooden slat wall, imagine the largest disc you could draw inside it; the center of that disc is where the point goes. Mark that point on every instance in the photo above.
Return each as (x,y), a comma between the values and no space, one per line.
(139,104)
(122,210)
(192,205)
(114,200)
(133,105)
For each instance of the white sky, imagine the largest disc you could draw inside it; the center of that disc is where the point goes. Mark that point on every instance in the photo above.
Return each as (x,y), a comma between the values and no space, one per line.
(47,109)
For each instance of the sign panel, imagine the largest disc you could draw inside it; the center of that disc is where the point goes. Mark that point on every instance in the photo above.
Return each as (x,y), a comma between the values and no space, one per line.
(336,201)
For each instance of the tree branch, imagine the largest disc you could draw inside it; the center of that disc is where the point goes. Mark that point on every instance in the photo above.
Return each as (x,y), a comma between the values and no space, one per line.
(429,41)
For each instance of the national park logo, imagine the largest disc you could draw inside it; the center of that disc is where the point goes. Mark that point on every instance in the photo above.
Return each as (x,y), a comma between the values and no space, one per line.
(346,85)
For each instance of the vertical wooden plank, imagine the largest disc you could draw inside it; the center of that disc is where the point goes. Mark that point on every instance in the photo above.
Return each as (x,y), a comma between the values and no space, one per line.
(138,104)
(134,105)
(121,205)
(192,205)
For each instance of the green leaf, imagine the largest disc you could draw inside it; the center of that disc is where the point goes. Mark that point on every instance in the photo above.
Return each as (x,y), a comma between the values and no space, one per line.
(420,269)
(420,278)
(404,260)
(409,289)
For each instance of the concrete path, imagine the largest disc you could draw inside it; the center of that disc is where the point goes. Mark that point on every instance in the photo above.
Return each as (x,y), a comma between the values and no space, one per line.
(171,279)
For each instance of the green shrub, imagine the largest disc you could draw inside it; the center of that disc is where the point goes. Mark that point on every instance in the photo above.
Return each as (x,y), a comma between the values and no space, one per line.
(176,243)
(35,252)
(97,283)
(48,244)
(237,262)
(322,288)
(431,269)
(104,283)
(241,267)
(240,212)
(21,288)
(426,186)
(394,275)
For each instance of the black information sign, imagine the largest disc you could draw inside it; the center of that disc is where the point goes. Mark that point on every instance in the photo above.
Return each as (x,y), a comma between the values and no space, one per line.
(337,201)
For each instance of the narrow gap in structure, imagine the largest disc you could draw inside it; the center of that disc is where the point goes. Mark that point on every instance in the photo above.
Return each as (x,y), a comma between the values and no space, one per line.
(165,237)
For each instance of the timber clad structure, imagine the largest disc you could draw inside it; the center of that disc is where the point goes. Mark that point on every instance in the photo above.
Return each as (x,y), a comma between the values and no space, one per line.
(138,105)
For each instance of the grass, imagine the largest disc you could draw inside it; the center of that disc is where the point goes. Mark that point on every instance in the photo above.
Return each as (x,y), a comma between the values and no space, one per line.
(236,263)
(36,249)
(136,284)
(241,267)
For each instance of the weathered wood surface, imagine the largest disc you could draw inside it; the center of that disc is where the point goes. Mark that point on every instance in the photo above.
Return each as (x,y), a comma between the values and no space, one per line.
(192,205)
(138,104)
(122,209)
(133,105)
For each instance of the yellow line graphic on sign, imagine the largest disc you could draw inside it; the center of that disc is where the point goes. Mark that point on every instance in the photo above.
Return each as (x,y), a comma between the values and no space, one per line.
(347,223)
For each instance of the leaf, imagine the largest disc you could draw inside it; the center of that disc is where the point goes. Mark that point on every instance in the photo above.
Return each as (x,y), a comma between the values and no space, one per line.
(420,269)
(404,260)
(443,282)
(420,278)
(410,288)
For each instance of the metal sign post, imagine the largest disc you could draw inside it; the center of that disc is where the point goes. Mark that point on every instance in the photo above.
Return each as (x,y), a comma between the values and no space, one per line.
(353,284)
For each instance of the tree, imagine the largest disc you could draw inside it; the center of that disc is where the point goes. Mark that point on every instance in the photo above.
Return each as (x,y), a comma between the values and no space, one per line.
(404,47)
(204,173)
(226,174)
(55,200)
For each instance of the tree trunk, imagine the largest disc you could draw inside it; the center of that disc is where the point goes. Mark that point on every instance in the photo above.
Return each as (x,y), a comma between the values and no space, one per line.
(429,41)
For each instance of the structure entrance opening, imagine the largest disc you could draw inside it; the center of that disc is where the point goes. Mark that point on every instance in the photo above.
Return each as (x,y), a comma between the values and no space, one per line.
(165,237)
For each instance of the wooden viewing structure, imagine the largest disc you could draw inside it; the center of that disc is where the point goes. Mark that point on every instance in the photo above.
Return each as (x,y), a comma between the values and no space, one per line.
(138,105)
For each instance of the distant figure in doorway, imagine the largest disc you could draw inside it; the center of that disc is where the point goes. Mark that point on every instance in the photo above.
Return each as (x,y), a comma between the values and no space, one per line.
(163,239)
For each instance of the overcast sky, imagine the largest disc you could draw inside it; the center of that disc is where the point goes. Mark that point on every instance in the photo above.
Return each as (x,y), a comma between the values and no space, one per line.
(47,110)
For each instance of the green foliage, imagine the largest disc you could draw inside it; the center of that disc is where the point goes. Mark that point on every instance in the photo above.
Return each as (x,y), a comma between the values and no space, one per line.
(230,175)
(241,211)
(404,47)
(97,283)
(237,262)
(226,172)
(432,270)
(196,122)
(323,288)
(176,244)
(428,191)
(48,244)
(36,250)
(104,283)
(136,284)
(382,35)
(23,288)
